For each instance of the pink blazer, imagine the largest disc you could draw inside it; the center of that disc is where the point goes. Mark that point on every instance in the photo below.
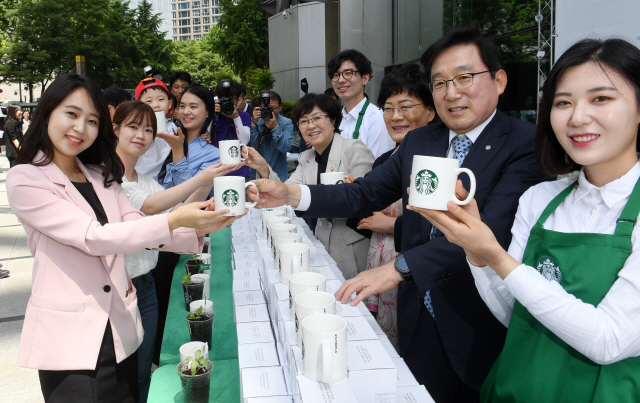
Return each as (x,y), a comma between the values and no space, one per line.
(79,279)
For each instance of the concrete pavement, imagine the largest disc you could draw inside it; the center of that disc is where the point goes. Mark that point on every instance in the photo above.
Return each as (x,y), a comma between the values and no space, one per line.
(17,385)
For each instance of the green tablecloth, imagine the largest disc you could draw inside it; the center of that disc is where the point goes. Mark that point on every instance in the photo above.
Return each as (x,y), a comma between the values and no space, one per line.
(225,380)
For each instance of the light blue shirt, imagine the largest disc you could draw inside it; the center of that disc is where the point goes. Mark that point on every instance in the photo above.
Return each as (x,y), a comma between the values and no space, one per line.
(201,155)
(275,145)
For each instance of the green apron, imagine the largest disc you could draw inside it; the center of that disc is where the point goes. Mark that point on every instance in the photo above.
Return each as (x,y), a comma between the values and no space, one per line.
(537,366)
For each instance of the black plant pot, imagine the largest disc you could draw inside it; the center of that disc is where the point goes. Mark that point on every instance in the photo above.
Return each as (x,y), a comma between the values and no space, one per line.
(193,291)
(195,387)
(193,266)
(201,330)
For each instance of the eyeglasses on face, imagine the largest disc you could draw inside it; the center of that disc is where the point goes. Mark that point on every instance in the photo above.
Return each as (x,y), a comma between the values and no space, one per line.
(315,119)
(403,110)
(347,74)
(461,81)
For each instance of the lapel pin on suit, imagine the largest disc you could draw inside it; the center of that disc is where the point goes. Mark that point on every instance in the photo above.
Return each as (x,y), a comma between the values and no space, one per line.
(331,169)
(487,148)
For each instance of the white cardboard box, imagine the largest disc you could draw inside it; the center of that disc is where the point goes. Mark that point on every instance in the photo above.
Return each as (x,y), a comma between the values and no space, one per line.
(372,373)
(374,324)
(324,270)
(251,313)
(263,243)
(359,329)
(246,273)
(254,332)
(257,355)
(243,241)
(247,284)
(251,247)
(318,392)
(272,399)
(405,377)
(413,394)
(345,310)
(297,358)
(246,256)
(317,260)
(262,382)
(273,276)
(388,346)
(244,232)
(243,264)
(248,298)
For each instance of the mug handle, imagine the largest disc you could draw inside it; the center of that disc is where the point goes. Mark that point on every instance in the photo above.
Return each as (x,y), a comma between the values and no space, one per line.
(205,348)
(327,362)
(472,191)
(295,267)
(290,210)
(245,146)
(246,185)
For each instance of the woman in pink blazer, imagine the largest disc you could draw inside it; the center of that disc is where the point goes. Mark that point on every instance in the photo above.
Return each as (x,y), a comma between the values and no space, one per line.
(82,326)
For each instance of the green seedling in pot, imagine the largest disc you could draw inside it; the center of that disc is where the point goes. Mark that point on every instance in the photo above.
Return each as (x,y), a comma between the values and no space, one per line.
(197,362)
(197,315)
(186,279)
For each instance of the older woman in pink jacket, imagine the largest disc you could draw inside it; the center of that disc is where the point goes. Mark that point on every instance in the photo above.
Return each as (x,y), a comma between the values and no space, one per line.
(82,326)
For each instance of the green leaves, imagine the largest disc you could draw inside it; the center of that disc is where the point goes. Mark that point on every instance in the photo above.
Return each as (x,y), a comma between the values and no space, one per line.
(197,315)
(194,367)
(186,279)
(199,362)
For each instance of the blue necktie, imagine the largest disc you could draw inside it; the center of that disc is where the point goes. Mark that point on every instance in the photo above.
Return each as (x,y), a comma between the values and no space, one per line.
(461,145)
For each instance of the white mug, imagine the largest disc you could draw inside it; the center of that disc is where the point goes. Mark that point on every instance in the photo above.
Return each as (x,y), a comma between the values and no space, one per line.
(161,122)
(433,182)
(274,221)
(280,239)
(229,193)
(293,258)
(279,229)
(189,349)
(312,303)
(207,306)
(231,151)
(207,284)
(301,282)
(332,178)
(324,348)
(286,208)
(265,216)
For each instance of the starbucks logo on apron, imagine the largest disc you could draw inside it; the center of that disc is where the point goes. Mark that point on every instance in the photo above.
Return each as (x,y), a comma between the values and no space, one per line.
(339,182)
(426,182)
(233,152)
(549,268)
(230,198)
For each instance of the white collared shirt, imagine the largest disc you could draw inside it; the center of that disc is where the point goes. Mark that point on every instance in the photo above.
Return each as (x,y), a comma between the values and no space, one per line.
(373,131)
(605,334)
(472,135)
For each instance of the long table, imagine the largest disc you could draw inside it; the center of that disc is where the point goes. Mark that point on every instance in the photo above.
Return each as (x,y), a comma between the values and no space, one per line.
(225,382)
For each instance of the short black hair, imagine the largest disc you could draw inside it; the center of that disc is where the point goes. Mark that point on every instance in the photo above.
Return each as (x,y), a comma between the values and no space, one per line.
(103,149)
(274,96)
(615,54)
(360,60)
(234,91)
(243,91)
(179,75)
(463,36)
(116,95)
(332,93)
(324,102)
(157,87)
(409,79)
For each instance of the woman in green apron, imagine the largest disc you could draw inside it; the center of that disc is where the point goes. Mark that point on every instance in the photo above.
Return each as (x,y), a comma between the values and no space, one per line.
(572,306)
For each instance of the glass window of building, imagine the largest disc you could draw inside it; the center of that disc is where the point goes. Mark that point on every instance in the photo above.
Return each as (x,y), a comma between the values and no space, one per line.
(184,23)
(206,20)
(215,10)
(205,11)
(183,14)
(173,6)
(185,38)
(205,29)
(197,29)
(196,21)
(195,4)
(173,15)
(197,36)
(196,13)
(183,6)
(215,19)
(205,3)
(214,3)
(175,31)
(186,30)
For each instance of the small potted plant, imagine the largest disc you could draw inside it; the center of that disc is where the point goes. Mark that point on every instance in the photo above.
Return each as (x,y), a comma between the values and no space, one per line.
(193,289)
(195,376)
(200,325)
(193,265)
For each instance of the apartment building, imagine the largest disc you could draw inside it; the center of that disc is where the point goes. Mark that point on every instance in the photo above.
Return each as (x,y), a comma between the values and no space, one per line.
(193,19)
(161,7)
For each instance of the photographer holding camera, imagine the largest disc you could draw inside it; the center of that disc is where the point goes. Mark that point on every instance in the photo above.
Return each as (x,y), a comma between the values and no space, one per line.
(230,123)
(271,134)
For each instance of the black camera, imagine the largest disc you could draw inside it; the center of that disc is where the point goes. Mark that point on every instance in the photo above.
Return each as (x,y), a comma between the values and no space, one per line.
(265,110)
(150,72)
(226,103)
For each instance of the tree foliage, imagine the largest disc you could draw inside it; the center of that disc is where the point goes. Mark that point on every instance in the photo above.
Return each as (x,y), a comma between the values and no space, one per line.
(197,58)
(258,79)
(241,36)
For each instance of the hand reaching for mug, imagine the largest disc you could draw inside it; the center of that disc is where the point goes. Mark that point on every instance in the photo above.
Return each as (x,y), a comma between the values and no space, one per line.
(378,222)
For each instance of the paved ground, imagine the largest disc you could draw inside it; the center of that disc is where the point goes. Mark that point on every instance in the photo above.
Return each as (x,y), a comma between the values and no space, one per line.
(17,385)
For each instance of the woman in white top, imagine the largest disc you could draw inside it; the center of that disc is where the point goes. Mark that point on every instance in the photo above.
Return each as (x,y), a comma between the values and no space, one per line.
(134,124)
(572,306)
(26,121)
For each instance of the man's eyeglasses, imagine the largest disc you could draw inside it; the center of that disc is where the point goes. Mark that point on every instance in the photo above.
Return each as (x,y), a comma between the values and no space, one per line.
(316,119)
(460,81)
(347,74)
(403,110)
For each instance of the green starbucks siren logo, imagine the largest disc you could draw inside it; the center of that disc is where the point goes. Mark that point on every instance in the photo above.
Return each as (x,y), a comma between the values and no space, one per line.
(339,182)
(426,182)
(290,301)
(549,268)
(234,152)
(296,315)
(303,349)
(230,198)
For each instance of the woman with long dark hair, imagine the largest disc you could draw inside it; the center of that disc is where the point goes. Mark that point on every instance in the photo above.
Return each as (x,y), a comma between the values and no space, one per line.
(569,287)
(12,132)
(82,326)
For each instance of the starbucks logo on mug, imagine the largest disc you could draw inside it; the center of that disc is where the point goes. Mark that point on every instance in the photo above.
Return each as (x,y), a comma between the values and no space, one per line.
(233,152)
(230,198)
(339,182)
(426,182)
(296,322)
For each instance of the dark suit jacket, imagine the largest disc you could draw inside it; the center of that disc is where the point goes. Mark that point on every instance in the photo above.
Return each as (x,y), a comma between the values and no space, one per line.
(503,161)
(12,131)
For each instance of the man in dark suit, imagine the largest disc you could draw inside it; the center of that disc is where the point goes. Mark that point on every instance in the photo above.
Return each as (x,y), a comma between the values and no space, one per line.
(448,337)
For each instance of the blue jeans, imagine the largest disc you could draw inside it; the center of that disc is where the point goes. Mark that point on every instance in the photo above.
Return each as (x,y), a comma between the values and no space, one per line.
(148,307)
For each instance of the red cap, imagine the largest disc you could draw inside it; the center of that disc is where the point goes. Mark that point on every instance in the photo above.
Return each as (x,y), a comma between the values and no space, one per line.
(152,82)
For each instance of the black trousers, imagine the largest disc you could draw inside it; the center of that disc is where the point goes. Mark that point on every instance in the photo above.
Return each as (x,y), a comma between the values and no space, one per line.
(428,361)
(162,275)
(110,382)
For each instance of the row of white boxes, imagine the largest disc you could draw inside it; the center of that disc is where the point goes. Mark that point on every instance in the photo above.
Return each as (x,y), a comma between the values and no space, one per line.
(269,358)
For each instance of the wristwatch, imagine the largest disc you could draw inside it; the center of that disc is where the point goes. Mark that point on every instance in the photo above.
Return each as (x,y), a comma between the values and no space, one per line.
(402,268)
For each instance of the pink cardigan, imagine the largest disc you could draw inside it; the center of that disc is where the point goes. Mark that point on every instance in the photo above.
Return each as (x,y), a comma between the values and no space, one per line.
(79,278)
